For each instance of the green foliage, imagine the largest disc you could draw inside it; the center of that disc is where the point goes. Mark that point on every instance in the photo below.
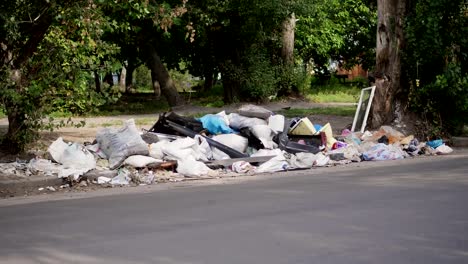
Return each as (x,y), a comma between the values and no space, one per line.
(340,30)
(333,93)
(437,62)
(45,64)
(142,76)
(259,77)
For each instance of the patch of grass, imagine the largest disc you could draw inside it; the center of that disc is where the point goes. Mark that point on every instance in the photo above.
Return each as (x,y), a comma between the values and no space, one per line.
(133,104)
(112,123)
(333,93)
(211,98)
(338,111)
(145,121)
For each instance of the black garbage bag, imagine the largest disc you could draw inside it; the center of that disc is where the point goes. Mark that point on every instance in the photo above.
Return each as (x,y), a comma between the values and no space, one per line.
(161,126)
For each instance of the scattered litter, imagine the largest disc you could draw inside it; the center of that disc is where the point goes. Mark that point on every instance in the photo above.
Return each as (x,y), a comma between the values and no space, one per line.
(103,179)
(242,167)
(253,140)
(75,158)
(122,178)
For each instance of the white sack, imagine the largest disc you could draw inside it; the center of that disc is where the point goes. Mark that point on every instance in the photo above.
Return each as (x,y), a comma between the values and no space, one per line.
(267,152)
(265,134)
(237,121)
(276,123)
(254,111)
(192,168)
(233,141)
(278,163)
(140,161)
(322,160)
(155,149)
(443,149)
(118,144)
(303,160)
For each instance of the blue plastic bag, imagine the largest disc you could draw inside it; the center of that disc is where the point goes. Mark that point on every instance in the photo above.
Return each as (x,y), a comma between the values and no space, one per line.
(435,143)
(215,124)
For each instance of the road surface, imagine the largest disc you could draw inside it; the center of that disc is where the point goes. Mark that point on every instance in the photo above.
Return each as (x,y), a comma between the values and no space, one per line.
(412,211)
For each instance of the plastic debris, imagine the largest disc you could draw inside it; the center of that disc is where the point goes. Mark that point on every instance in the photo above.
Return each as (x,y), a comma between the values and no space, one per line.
(75,158)
(215,124)
(242,167)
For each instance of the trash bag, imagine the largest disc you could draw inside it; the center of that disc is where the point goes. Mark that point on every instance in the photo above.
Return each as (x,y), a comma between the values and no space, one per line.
(254,142)
(188,122)
(75,158)
(238,122)
(381,151)
(242,167)
(215,124)
(140,161)
(233,141)
(278,163)
(155,149)
(276,123)
(118,144)
(265,135)
(302,160)
(191,168)
(254,111)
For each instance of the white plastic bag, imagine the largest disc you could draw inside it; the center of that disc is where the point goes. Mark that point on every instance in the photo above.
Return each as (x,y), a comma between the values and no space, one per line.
(122,178)
(75,158)
(242,167)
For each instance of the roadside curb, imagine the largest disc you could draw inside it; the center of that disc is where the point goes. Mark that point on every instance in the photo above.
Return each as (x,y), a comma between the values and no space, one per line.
(460,142)
(31,184)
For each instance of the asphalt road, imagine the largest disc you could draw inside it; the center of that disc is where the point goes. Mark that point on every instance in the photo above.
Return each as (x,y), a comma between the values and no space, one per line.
(401,212)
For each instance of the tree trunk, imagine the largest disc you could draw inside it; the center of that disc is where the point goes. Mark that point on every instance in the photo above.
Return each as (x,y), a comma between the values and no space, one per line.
(129,76)
(209,81)
(389,99)
(156,85)
(97,82)
(168,88)
(287,39)
(122,79)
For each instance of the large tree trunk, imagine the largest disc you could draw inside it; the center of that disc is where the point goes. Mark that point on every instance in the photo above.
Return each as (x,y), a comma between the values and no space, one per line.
(389,99)
(131,66)
(287,40)
(168,88)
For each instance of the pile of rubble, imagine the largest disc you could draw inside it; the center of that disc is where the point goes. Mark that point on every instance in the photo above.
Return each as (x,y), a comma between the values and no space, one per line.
(252,140)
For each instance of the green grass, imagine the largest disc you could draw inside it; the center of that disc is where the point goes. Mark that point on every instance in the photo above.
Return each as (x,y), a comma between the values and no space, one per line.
(211,98)
(333,93)
(133,104)
(338,111)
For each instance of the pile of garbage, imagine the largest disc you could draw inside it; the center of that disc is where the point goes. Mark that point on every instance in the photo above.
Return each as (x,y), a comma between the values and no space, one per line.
(251,140)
